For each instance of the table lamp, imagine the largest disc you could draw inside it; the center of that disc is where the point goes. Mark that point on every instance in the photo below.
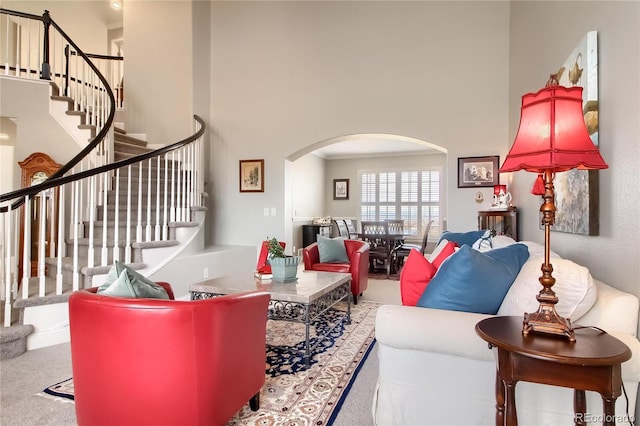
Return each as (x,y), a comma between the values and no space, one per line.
(552,137)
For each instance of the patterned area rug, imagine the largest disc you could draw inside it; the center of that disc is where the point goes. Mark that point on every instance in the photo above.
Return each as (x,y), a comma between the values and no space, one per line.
(294,395)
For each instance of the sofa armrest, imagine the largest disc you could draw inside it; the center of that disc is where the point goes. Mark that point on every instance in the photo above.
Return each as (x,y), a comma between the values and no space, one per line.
(605,313)
(310,256)
(431,330)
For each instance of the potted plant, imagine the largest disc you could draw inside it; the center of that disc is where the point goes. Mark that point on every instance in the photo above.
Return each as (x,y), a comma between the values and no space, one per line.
(284,268)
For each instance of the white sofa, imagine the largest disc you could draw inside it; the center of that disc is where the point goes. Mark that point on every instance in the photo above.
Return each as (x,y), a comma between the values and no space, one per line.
(435,370)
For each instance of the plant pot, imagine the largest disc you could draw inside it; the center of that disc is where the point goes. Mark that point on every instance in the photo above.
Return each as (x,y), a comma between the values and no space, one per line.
(284,269)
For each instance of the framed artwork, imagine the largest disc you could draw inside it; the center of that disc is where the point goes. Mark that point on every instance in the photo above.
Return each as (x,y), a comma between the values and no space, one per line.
(341,189)
(251,175)
(474,172)
(577,191)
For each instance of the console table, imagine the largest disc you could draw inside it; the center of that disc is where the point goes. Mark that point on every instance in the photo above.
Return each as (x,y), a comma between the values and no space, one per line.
(310,233)
(503,222)
(592,362)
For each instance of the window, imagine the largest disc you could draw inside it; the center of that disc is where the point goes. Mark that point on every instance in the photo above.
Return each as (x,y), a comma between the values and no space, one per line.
(413,196)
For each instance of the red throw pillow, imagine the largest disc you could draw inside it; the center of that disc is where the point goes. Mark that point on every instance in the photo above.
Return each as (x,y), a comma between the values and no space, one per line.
(414,277)
(446,251)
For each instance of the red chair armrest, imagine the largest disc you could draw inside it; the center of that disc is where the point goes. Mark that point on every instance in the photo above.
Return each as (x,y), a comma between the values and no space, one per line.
(310,256)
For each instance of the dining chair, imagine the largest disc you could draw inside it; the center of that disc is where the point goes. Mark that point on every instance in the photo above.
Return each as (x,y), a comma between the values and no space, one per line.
(402,250)
(376,233)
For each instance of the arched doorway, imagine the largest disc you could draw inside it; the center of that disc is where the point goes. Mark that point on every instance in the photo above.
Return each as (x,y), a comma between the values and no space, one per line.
(308,174)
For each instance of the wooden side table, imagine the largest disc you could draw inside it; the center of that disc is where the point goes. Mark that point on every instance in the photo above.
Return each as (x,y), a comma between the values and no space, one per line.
(592,362)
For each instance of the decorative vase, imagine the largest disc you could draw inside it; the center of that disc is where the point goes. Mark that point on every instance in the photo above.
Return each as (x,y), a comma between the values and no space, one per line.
(284,269)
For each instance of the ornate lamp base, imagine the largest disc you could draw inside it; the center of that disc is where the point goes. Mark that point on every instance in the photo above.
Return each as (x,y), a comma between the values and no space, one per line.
(546,320)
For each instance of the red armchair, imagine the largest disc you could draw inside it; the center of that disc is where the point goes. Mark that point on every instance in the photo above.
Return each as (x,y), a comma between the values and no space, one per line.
(358,266)
(166,362)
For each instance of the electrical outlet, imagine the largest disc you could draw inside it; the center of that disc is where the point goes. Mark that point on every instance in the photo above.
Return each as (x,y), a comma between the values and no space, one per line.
(273,211)
(205,273)
(266,211)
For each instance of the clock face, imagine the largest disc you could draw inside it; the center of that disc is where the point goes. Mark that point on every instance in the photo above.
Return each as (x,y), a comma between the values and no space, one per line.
(38,177)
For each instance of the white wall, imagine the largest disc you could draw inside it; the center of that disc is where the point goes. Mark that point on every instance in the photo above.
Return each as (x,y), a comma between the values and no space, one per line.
(535,52)
(158,78)
(308,186)
(286,75)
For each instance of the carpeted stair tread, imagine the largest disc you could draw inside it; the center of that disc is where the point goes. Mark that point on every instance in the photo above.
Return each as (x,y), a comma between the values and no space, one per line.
(123,137)
(13,340)
(155,244)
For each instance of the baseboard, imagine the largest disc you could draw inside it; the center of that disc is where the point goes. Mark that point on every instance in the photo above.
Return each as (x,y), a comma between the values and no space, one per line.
(50,323)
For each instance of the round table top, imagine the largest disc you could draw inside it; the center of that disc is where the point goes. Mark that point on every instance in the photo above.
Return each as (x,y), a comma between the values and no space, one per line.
(591,348)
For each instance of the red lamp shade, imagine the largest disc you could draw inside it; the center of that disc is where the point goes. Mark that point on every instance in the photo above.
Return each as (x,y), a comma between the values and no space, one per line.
(552,134)
(498,188)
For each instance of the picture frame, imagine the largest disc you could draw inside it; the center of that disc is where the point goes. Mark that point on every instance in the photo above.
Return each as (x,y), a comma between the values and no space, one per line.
(251,175)
(341,189)
(475,172)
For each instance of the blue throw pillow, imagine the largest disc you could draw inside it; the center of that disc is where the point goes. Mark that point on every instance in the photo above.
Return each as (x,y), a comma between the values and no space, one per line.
(474,281)
(463,238)
(332,250)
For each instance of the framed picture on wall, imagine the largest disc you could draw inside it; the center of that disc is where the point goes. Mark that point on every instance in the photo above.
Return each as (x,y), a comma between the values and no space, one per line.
(251,175)
(341,189)
(474,172)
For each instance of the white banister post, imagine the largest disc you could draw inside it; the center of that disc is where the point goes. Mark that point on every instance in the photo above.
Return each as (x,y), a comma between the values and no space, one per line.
(60,254)
(158,194)
(179,189)
(116,219)
(76,219)
(172,213)
(7,268)
(139,227)
(91,248)
(127,248)
(42,237)
(26,248)
(165,225)
(104,261)
(15,252)
(149,196)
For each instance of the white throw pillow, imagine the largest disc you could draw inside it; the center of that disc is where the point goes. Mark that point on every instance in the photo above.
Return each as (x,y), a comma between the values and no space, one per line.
(500,241)
(574,288)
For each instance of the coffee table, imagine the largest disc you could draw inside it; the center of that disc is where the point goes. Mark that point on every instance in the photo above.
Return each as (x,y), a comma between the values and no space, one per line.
(303,301)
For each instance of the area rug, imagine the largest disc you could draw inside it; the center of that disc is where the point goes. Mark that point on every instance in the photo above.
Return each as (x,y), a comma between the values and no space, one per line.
(292,394)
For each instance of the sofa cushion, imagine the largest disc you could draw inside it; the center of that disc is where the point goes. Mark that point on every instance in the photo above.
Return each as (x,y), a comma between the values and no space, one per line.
(414,277)
(123,281)
(473,281)
(332,250)
(574,287)
(462,238)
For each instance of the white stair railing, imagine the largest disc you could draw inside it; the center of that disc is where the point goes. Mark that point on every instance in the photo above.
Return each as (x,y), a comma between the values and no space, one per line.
(87,206)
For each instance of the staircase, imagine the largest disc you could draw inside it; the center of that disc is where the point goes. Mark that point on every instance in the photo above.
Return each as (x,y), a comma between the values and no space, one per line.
(131,218)
(116,199)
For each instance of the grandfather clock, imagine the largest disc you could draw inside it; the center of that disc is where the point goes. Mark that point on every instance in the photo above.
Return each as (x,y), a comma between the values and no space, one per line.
(36,168)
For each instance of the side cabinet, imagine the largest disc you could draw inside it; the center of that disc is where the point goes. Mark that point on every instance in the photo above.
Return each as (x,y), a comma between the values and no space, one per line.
(310,233)
(503,222)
